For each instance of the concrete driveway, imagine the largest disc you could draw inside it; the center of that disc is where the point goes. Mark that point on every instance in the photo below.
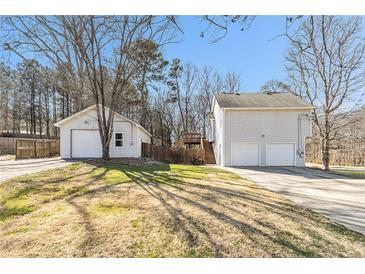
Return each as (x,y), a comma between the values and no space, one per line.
(339,198)
(13,168)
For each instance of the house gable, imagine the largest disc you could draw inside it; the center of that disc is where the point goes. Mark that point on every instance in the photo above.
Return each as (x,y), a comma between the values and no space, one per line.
(92,109)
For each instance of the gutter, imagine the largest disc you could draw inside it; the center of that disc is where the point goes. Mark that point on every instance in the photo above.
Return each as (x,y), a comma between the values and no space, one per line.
(267,108)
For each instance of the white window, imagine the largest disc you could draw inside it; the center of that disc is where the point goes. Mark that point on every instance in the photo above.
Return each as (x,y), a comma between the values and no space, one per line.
(118,139)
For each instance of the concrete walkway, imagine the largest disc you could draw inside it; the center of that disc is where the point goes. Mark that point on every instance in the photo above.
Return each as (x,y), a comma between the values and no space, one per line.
(340,199)
(13,168)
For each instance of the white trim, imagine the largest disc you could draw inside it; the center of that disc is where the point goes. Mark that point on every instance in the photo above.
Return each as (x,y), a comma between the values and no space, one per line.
(59,123)
(295,150)
(310,124)
(80,129)
(223,150)
(137,125)
(253,143)
(213,103)
(114,139)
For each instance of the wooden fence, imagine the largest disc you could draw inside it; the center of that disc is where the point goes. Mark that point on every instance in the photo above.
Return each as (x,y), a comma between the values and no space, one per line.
(7,145)
(182,155)
(36,148)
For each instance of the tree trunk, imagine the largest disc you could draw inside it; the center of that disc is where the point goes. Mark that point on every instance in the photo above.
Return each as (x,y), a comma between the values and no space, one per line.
(67,105)
(106,152)
(63,105)
(54,110)
(325,155)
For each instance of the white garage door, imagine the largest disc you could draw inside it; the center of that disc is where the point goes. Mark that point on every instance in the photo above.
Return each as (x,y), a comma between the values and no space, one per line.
(86,144)
(245,154)
(280,154)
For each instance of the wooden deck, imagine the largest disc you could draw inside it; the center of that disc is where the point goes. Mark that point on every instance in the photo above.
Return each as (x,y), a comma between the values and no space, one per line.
(191,138)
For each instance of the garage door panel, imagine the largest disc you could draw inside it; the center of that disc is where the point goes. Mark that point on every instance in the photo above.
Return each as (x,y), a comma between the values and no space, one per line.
(245,154)
(280,154)
(86,144)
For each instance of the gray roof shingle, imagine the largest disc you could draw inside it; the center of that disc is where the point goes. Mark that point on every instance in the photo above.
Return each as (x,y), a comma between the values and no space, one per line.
(261,100)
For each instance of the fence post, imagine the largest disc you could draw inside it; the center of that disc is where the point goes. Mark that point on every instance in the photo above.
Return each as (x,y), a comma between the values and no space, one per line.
(16,148)
(35,149)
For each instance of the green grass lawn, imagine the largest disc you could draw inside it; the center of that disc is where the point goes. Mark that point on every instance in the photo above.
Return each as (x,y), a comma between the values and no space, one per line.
(354,174)
(105,209)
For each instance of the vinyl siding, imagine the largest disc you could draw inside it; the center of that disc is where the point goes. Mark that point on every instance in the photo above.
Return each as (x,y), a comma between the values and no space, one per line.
(264,126)
(142,137)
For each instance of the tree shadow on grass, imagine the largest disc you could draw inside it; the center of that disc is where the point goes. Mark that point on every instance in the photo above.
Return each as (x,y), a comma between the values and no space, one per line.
(171,189)
(174,192)
(159,185)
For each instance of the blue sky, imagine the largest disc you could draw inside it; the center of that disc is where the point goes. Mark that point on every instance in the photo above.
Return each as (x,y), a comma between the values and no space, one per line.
(251,53)
(248,53)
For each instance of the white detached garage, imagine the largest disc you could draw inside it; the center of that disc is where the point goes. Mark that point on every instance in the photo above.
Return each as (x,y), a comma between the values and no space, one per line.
(259,129)
(79,136)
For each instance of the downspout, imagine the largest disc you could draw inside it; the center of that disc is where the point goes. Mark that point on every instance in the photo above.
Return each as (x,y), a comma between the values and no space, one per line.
(131,142)
(223,139)
(300,149)
(138,144)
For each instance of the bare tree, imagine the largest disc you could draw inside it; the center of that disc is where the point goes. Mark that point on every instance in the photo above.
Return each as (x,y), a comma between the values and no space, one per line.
(210,83)
(232,82)
(96,50)
(163,118)
(275,86)
(217,26)
(325,65)
(5,89)
(189,87)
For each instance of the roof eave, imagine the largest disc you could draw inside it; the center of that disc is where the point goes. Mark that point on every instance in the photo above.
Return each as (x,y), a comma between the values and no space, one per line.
(59,123)
(266,108)
(213,102)
(145,130)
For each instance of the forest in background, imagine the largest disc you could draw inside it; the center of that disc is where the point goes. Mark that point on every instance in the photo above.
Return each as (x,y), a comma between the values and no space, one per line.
(176,98)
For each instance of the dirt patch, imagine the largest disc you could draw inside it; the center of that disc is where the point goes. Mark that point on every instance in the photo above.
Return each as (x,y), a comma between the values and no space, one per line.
(7,157)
